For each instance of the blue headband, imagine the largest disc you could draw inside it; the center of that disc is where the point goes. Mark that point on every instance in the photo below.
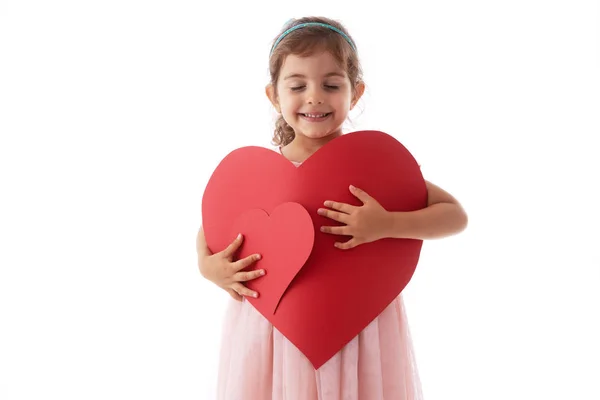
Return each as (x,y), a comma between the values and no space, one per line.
(293,28)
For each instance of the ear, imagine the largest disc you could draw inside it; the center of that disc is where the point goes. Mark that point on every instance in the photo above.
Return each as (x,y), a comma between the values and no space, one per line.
(270,92)
(359,89)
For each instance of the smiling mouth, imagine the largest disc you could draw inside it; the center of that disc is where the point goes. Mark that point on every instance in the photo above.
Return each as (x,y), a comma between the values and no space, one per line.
(315,117)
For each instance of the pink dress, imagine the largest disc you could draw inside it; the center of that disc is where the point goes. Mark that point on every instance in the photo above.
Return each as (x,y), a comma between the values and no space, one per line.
(258,363)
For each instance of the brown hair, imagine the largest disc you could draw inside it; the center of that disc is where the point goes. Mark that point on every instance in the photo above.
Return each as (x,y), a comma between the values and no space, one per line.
(307,41)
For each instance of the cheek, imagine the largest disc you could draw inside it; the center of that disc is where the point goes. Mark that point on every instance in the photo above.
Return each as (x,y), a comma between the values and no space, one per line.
(290,105)
(344,102)
(344,97)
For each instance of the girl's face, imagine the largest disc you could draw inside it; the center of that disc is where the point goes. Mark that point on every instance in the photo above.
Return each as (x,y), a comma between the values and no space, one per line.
(313,95)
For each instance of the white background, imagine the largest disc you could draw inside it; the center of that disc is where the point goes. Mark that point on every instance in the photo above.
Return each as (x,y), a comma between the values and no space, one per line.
(113,115)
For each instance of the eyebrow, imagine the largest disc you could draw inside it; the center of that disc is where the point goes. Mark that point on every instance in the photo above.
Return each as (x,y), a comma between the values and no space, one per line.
(326,76)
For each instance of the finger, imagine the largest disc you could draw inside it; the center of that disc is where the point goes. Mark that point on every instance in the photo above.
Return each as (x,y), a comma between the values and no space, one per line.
(360,194)
(233,246)
(243,290)
(246,262)
(347,245)
(336,230)
(234,295)
(336,216)
(247,276)
(343,207)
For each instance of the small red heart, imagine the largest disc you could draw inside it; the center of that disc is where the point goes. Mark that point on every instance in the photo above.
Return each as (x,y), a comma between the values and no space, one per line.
(284,239)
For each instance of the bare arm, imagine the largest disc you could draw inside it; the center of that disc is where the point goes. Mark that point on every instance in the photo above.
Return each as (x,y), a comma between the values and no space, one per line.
(201,249)
(443,216)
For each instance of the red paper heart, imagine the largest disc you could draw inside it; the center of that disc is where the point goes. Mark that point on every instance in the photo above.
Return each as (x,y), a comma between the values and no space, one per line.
(337,293)
(285,237)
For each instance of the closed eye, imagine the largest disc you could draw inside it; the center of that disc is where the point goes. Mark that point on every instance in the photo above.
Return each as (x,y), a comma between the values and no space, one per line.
(298,88)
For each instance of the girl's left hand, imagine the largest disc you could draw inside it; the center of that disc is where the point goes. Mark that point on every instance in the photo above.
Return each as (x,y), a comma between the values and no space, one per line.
(365,223)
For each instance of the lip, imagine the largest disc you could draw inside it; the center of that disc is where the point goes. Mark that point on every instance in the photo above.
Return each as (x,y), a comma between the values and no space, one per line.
(320,119)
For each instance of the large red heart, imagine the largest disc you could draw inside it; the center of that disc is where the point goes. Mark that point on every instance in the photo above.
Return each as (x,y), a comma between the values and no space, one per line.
(285,237)
(337,293)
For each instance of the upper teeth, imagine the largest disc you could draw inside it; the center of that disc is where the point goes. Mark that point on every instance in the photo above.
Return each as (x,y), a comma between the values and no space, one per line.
(315,115)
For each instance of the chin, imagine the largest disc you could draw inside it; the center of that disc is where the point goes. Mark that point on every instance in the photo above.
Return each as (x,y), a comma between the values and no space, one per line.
(318,135)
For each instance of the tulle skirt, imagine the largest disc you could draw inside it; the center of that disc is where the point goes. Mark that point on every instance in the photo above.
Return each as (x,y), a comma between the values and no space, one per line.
(258,363)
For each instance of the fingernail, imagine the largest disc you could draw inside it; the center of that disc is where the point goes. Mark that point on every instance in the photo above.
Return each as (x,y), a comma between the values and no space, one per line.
(320,211)
(262,272)
(255,295)
(352,187)
(239,236)
(257,257)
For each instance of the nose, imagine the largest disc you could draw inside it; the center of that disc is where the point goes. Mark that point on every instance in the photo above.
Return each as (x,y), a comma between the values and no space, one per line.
(314,96)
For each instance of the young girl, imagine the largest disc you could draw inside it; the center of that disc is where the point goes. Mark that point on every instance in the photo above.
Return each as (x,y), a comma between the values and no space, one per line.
(315,81)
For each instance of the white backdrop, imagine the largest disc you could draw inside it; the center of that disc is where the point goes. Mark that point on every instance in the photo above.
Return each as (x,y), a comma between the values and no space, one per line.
(113,115)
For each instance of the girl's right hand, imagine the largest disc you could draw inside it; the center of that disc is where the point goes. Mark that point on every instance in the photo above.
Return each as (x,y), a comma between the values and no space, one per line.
(220,269)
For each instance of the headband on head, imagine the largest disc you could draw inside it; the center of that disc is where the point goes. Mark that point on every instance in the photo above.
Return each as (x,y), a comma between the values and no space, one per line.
(293,28)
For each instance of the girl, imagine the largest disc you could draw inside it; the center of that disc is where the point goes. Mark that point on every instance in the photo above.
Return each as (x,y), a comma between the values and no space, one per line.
(315,81)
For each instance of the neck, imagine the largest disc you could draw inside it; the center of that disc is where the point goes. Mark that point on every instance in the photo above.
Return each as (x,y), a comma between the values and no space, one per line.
(303,147)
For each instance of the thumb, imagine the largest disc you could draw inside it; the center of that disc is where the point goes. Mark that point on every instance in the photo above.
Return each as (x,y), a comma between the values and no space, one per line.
(233,246)
(360,194)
